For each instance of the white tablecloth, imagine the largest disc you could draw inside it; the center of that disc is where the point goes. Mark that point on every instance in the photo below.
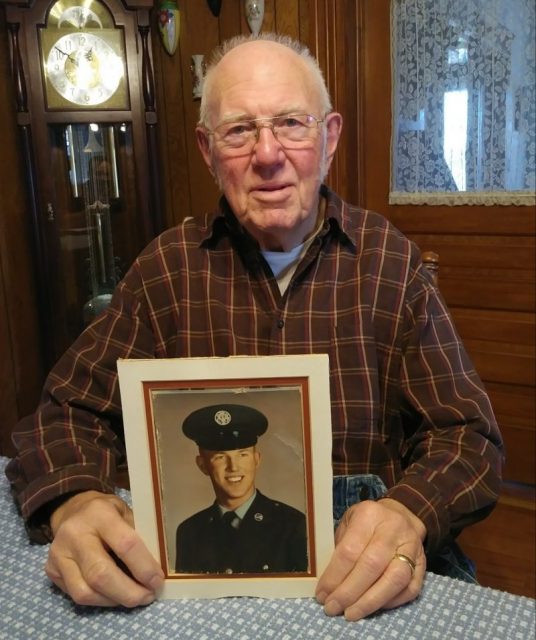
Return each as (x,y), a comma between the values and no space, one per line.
(31,608)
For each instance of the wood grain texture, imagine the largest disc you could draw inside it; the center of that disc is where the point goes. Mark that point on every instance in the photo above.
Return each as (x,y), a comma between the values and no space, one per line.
(503,547)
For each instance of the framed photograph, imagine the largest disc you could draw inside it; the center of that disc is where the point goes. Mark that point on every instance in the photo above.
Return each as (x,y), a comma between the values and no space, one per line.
(230,471)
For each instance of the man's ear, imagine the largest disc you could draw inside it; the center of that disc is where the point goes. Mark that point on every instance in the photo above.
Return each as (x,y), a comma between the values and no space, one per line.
(200,462)
(203,142)
(333,124)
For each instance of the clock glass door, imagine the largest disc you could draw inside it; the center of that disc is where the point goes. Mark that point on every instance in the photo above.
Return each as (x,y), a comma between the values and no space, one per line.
(93,236)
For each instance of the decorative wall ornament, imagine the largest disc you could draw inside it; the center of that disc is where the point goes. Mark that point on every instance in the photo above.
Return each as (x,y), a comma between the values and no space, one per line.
(197,68)
(214,6)
(169,24)
(254,15)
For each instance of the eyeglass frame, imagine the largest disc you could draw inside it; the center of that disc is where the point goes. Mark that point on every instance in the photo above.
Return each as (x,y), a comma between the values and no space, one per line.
(269,123)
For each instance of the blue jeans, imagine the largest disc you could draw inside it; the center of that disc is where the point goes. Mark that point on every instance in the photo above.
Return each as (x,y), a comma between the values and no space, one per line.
(348,490)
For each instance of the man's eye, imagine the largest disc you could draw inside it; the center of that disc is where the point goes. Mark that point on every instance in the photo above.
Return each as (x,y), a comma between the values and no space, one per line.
(292,122)
(238,129)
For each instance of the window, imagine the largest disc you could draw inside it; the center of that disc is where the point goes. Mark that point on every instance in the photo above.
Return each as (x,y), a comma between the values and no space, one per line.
(463,102)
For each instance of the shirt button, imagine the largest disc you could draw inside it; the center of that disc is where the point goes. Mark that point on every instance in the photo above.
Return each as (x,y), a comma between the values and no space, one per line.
(281,324)
(265,567)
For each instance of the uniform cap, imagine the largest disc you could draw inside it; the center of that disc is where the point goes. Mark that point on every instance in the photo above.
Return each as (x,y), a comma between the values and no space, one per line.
(224,427)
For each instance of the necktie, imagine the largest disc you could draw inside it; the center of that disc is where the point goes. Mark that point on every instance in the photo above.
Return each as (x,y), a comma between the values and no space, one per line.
(230,520)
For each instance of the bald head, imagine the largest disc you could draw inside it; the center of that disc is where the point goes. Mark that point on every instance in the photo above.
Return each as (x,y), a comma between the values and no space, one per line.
(265,58)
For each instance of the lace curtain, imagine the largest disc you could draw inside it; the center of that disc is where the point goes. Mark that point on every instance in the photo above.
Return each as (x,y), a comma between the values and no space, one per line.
(463,102)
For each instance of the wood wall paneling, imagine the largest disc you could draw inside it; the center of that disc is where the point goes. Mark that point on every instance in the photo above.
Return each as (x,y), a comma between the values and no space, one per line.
(333,41)
(515,408)
(495,325)
(503,547)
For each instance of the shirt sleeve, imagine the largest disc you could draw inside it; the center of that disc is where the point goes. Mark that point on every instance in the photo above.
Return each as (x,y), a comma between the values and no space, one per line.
(452,452)
(74,441)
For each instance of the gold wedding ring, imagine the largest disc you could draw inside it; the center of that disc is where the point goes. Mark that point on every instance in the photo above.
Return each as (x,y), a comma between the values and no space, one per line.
(408,561)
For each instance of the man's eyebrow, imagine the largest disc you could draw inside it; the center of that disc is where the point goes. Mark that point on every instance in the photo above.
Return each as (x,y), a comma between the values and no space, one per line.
(235,117)
(246,117)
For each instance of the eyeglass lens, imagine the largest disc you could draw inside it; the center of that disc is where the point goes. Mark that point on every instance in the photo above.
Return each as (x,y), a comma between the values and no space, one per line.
(290,130)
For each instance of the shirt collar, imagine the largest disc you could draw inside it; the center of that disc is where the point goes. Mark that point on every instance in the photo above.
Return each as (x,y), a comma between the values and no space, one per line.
(224,223)
(338,221)
(242,509)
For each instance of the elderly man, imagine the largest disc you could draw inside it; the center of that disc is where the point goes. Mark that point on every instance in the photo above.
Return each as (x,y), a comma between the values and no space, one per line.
(243,531)
(283,266)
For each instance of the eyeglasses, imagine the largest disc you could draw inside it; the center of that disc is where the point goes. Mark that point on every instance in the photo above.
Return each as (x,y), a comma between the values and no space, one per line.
(292,131)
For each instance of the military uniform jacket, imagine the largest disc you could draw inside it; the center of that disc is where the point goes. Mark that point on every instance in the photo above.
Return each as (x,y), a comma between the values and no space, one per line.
(271,539)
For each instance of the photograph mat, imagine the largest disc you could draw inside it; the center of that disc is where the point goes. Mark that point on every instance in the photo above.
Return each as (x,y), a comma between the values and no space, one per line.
(138,378)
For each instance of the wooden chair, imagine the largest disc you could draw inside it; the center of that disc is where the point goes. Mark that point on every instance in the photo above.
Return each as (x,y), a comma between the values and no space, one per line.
(430,260)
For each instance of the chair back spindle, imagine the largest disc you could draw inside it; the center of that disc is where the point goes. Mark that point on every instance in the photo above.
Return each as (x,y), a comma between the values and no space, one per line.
(430,260)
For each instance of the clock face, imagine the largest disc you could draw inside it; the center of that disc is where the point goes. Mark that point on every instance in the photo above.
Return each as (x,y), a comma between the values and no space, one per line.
(84,69)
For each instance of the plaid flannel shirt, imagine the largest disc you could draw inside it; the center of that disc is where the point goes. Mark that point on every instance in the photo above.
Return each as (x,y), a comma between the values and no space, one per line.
(406,402)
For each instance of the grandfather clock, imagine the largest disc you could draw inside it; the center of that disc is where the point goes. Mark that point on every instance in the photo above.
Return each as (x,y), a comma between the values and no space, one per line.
(84,90)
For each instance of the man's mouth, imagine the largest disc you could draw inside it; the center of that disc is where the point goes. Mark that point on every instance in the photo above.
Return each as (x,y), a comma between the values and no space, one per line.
(234,479)
(272,187)
(271,193)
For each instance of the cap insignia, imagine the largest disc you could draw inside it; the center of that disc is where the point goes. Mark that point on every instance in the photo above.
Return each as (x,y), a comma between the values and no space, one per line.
(222,417)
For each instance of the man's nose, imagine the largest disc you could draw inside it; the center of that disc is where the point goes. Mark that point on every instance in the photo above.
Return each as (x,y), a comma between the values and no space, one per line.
(267,149)
(232,463)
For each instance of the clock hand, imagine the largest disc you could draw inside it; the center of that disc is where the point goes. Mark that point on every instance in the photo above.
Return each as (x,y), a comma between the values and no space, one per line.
(69,55)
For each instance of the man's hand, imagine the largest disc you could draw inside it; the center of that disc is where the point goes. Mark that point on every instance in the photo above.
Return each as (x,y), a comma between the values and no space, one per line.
(363,575)
(89,530)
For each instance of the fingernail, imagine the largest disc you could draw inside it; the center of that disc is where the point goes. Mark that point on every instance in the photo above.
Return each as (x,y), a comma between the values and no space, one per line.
(332,608)
(321,597)
(147,599)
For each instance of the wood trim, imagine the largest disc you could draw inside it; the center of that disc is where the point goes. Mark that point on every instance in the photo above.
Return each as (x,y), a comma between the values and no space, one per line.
(338,46)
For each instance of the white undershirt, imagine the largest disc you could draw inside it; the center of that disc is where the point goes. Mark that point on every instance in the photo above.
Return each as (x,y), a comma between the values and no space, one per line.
(283,263)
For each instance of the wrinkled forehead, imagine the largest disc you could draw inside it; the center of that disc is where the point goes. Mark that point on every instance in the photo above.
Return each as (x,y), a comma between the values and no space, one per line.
(261,78)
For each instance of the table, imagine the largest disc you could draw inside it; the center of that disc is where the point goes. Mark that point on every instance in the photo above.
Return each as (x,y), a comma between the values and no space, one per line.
(32,608)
